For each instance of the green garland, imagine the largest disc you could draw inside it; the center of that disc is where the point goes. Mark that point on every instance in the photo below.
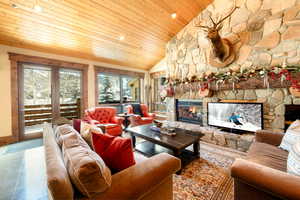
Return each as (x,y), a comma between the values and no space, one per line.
(282,72)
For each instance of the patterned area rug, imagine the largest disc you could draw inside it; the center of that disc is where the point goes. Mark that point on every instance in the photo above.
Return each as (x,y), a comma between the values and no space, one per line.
(207,178)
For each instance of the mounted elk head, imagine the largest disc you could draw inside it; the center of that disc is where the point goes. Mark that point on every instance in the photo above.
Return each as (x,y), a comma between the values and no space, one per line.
(221,53)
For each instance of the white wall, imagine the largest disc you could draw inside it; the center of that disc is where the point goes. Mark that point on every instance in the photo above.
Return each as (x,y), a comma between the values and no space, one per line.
(160,66)
(5,85)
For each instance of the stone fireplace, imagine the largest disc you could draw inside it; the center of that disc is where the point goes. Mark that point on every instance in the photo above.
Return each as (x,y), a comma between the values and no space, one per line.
(263,34)
(275,103)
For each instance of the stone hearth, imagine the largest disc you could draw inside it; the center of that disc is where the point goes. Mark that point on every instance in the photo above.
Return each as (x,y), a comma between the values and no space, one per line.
(215,136)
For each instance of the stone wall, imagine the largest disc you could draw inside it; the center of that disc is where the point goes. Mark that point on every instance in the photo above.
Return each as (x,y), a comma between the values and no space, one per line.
(263,32)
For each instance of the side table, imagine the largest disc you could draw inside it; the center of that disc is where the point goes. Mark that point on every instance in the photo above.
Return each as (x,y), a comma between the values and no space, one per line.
(126,119)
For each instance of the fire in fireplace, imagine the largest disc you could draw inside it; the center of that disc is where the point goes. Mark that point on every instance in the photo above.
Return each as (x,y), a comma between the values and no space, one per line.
(189,111)
(292,113)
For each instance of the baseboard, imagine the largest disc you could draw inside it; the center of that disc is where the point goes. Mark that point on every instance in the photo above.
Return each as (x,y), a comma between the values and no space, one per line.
(7,140)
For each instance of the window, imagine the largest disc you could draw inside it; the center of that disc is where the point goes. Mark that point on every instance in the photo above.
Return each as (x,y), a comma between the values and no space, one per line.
(113,88)
(69,86)
(37,85)
(109,88)
(131,89)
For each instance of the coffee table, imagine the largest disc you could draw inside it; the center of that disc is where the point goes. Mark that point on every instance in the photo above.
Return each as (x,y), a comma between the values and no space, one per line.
(156,142)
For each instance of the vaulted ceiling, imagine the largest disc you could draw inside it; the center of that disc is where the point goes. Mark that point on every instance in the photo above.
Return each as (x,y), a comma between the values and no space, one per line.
(91,29)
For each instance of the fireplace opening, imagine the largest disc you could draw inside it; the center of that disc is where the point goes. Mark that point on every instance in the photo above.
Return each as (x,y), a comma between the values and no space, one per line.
(189,111)
(292,113)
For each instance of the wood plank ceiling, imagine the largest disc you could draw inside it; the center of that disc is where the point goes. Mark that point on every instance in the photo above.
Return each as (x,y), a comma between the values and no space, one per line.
(91,29)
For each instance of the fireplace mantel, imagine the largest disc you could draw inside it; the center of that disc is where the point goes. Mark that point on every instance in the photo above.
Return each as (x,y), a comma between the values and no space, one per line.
(255,83)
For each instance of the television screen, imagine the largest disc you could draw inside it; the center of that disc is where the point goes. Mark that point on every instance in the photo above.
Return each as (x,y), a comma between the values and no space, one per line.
(241,116)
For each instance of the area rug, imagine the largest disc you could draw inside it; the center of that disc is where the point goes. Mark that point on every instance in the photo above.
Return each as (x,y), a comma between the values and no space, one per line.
(207,178)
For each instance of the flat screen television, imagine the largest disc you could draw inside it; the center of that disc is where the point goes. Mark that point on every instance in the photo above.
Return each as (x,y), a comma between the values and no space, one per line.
(236,116)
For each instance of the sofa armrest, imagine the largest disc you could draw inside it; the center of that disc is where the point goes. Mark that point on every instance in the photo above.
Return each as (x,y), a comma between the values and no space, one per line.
(268,137)
(141,178)
(266,179)
(117,120)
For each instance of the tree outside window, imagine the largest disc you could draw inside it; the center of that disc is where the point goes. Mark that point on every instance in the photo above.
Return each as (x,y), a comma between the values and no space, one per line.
(70,86)
(118,89)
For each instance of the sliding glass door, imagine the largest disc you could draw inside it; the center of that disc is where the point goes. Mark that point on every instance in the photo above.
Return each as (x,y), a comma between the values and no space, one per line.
(36,108)
(46,93)
(70,82)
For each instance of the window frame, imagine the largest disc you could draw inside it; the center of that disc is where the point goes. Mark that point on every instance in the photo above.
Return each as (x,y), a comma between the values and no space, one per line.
(118,72)
(120,77)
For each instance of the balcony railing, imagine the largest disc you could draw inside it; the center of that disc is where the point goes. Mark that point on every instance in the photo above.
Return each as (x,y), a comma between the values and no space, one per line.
(38,114)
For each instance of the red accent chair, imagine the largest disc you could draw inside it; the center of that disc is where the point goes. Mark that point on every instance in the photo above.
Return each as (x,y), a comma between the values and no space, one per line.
(136,120)
(106,116)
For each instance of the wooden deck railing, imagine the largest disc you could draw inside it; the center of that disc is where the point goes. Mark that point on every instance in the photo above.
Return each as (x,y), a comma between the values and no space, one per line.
(38,114)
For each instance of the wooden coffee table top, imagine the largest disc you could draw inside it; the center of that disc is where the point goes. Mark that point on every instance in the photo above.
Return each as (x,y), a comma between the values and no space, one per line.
(181,140)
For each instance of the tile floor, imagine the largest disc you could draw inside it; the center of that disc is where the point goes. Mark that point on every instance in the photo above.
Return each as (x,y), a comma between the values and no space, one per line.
(22,171)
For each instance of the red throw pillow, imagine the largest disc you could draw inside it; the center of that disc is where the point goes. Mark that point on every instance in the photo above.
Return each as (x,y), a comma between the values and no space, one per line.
(116,152)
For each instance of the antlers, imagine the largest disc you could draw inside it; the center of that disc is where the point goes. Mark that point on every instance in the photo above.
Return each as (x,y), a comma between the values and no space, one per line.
(218,24)
(230,13)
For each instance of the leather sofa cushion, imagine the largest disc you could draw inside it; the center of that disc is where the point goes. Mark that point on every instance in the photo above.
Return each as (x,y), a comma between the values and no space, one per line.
(67,129)
(138,157)
(86,169)
(289,139)
(268,155)
(61,130)
(295,126)
(57,175)
(293,164)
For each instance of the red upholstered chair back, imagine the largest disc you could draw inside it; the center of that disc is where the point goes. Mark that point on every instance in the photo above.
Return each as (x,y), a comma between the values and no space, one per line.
(144,109)
(101,114)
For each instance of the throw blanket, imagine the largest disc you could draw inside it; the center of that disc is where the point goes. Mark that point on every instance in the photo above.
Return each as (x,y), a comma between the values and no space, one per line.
(137,109)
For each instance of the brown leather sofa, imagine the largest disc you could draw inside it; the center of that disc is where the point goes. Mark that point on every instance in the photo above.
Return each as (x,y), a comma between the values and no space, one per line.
(262,175)
(150,178)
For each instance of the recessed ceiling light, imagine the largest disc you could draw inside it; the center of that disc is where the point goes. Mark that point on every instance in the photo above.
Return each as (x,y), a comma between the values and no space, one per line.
(14,5)
(122,37)
(173,15)
(38,8)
